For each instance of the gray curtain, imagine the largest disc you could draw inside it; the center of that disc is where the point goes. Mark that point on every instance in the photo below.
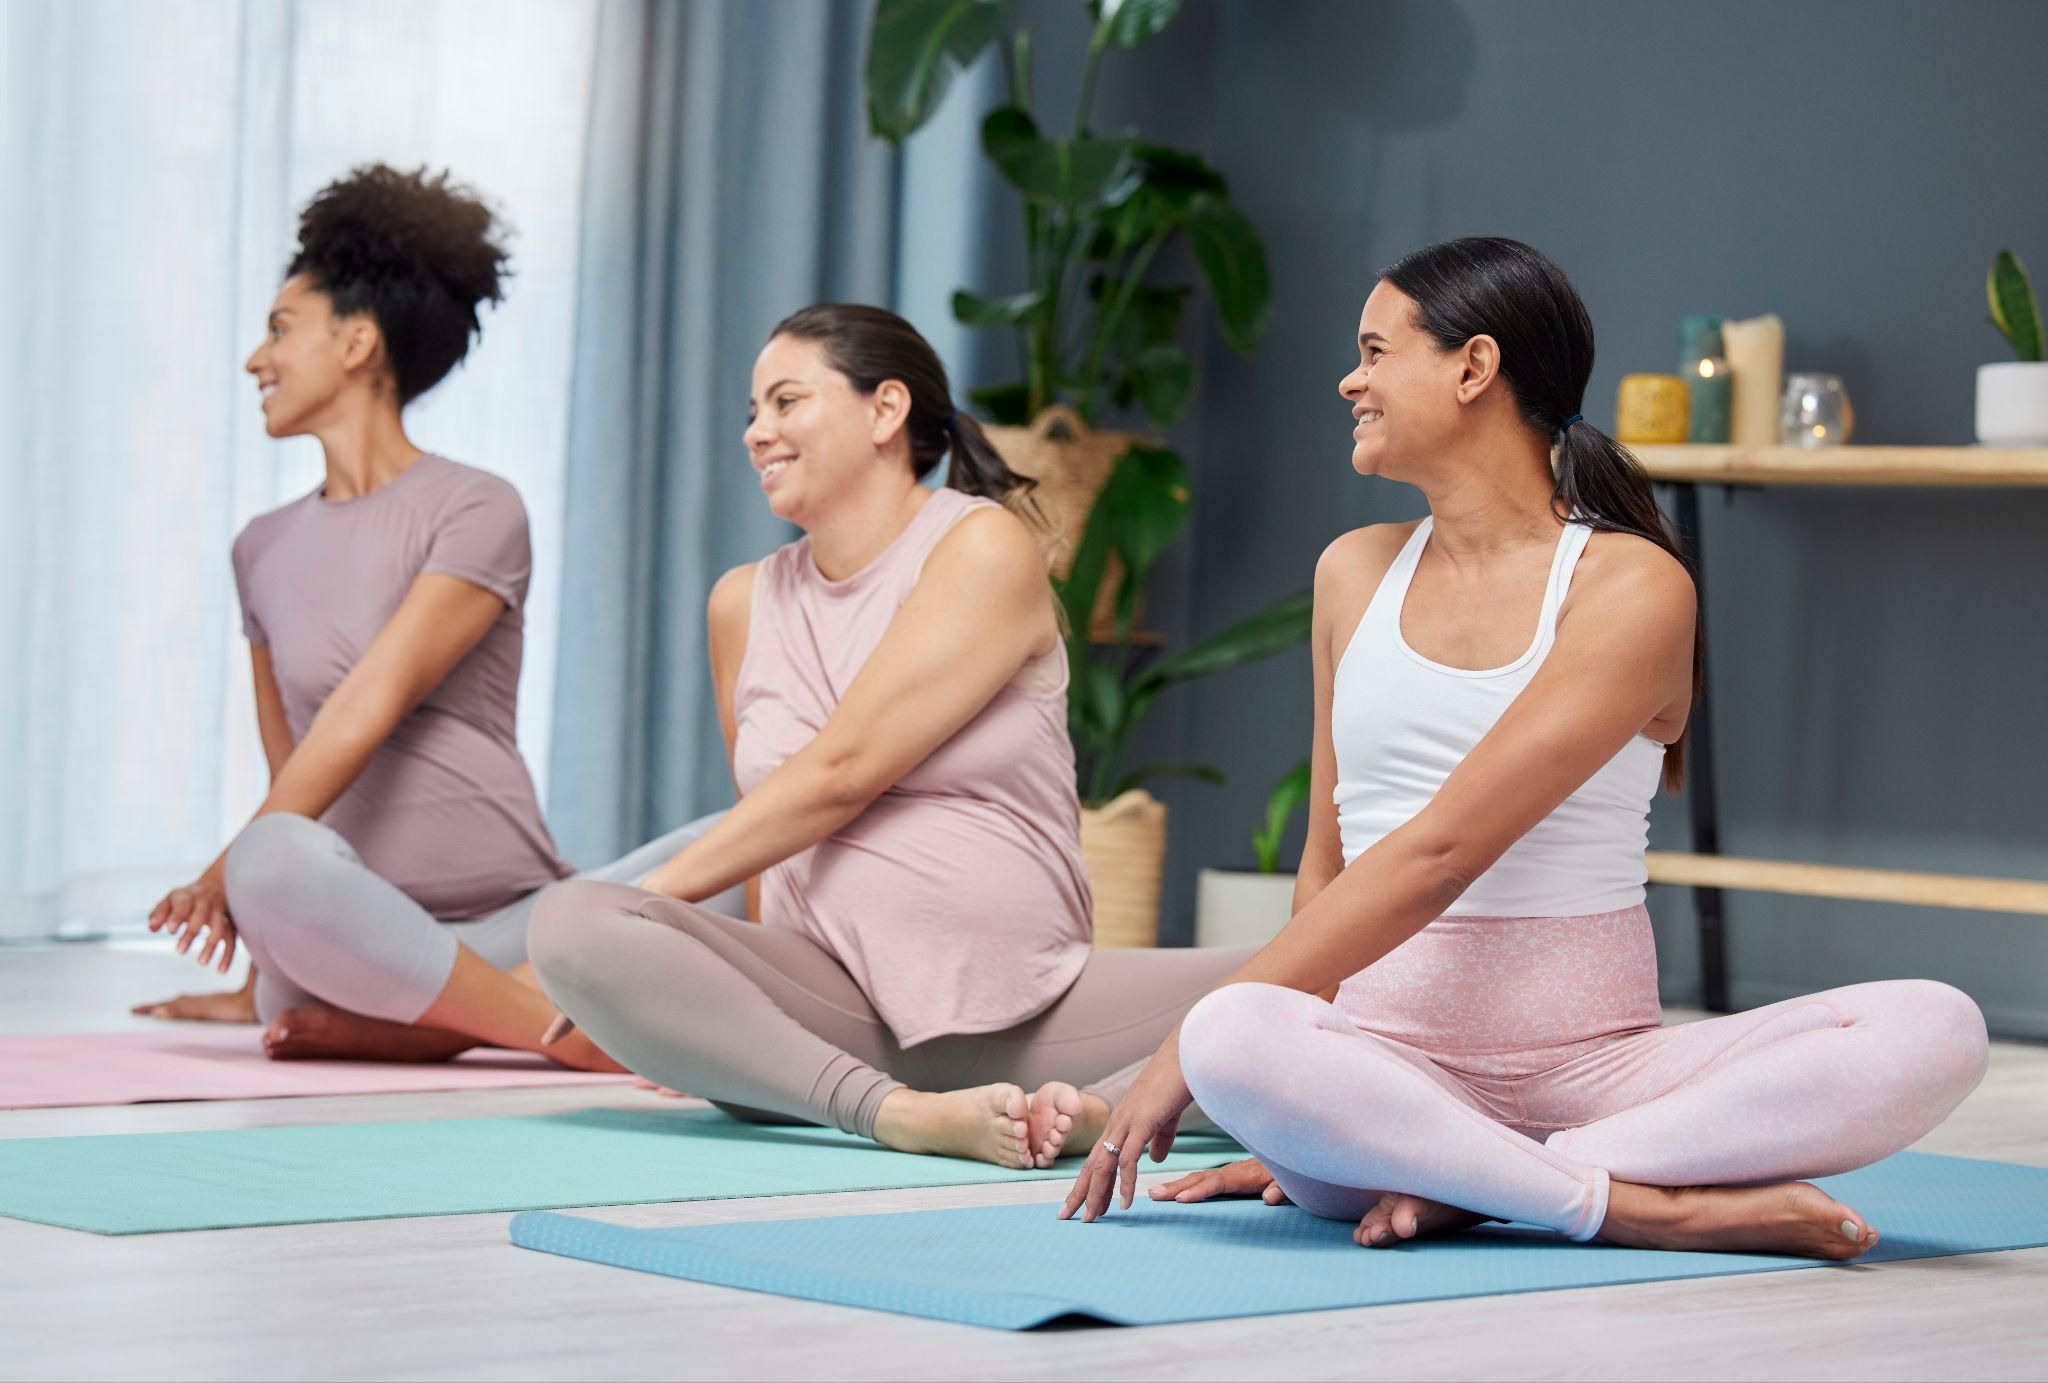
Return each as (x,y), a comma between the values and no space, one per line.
(729,180)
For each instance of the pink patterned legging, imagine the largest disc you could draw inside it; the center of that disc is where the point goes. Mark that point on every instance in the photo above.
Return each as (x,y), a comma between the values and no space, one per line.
(1511,1066)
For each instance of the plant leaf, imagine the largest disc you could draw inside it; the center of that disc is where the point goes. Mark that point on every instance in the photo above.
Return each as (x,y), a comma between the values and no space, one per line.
(1081,172)
(973,310)
(2013,308)
(1137,777)
(1128,23)
(1287,795)
(1145,506)
(1006,404)
(915,47)
(1234,262)
(1278,627)
(1163,378)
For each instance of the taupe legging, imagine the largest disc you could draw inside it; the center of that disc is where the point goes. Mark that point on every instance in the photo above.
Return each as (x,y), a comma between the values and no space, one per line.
(766,1024)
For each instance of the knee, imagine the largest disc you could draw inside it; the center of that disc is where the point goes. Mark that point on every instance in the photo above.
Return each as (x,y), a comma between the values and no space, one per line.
(561,941)
(1948,1028)
(271,861)
(1221,1038)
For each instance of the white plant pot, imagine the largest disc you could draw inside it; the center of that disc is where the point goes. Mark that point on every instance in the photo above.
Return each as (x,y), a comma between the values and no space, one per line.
(1233,908)
(2012,404)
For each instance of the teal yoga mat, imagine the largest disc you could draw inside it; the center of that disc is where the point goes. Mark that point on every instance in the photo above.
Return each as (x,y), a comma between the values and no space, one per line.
(148,1183)
(1016,1266)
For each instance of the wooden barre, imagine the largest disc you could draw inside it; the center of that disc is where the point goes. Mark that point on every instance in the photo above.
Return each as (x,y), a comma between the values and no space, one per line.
(1961,466)
(1969,891)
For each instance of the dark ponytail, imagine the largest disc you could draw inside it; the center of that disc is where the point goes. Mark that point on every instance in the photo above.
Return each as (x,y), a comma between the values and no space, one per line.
(869,345)
(1489,286)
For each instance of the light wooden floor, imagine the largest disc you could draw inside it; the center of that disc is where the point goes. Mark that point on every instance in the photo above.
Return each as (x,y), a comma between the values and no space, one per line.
(450,1298)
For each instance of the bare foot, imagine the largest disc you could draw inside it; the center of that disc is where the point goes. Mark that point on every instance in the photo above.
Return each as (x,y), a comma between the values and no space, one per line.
(1060,1118)
(1397,1218)
(317,1031)
(987,1123)
(642,1083)
(1794,1217)
(228,1006)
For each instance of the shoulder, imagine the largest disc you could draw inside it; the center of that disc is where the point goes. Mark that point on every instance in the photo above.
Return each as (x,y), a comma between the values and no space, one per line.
(1355,561)
(454,488)
(259,533)
(732,598)
(988,546)
(1626,578)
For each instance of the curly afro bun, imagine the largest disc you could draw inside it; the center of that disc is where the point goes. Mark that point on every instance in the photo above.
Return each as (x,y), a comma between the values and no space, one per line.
(416,252)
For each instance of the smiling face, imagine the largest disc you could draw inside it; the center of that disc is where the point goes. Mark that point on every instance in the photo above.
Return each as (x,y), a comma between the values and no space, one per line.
(812,437)
(308,357)
(1406,394)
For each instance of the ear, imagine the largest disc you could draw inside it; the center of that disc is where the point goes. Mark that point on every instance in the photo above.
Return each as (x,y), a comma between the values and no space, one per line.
(890,404)
(362,344)
(1479,367)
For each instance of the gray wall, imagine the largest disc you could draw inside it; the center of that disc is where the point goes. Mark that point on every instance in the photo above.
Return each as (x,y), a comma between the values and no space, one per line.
(1877,659)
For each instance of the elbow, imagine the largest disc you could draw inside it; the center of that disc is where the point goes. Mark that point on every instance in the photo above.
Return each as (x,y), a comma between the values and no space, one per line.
(1441,869)
(845,784)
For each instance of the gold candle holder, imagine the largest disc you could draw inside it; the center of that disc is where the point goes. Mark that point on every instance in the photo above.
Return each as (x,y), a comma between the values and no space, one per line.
(1651,408)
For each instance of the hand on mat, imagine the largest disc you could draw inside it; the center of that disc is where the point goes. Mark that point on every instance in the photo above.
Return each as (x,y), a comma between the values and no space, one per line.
(226,1006)
(200,907)
(1147,1116)
(1246,1178)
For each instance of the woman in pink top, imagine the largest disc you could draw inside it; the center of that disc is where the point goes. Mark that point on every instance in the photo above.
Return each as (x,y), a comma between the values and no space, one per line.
(384,887)
(893,692)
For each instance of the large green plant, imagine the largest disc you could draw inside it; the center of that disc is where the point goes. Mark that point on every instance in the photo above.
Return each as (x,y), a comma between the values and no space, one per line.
(1096,329)
(1091,328)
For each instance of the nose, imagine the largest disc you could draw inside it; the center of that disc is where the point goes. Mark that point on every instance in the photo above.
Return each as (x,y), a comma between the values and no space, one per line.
(1353,384)
(252,364)
(757,435)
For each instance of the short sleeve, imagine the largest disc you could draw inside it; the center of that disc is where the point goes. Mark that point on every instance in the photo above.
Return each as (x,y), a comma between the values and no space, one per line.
(244,556)
(480,537)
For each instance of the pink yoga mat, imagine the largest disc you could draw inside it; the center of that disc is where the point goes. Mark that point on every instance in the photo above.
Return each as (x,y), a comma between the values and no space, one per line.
(227,1063)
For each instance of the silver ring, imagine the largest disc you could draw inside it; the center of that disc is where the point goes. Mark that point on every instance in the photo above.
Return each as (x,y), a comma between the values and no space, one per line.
(1112,1149)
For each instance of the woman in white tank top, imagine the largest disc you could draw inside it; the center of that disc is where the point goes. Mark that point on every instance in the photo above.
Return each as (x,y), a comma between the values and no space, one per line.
(1461,1021)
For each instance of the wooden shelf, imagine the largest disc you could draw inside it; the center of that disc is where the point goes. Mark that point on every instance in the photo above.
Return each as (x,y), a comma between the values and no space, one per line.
(1970,891)
(1852,465)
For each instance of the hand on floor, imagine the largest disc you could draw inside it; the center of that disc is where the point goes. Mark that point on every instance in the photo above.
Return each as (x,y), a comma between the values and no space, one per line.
(227,1006)
(642,1083)
(1246,1178)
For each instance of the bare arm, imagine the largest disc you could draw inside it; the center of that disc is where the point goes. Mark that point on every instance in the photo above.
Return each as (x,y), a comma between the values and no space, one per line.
(980,611)
(271,725)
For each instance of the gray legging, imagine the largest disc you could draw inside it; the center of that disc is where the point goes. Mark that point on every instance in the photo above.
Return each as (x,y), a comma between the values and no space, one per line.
(319,923)
(767,1024)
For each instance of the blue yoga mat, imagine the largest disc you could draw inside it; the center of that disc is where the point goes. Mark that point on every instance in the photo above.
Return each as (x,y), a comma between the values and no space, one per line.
(1016,1266)
(146,1183)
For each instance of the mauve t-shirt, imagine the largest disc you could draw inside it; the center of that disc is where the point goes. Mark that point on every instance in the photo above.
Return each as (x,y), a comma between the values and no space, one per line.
(445,809)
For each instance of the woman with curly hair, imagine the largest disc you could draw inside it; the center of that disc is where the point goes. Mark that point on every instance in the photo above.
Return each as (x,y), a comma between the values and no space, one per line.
(384,887)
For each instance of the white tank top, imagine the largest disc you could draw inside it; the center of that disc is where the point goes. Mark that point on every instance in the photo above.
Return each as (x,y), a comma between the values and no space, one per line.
(1400,723)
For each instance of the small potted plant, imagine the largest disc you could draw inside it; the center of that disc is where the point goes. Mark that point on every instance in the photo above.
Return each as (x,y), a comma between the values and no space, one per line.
(1234,907)
(2012,395)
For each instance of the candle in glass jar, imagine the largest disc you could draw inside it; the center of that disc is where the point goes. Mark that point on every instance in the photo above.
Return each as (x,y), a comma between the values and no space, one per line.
(1756,360)
(1704,368)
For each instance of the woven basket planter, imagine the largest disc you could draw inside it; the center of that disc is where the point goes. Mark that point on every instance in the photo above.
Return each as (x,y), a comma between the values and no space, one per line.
(1071,462)
(1123,844)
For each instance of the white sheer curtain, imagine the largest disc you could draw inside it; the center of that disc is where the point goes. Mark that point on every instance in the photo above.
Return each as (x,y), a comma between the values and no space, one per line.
(156,155)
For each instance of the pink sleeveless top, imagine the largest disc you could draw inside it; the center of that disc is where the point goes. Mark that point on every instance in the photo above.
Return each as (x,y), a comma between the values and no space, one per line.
(957,900)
